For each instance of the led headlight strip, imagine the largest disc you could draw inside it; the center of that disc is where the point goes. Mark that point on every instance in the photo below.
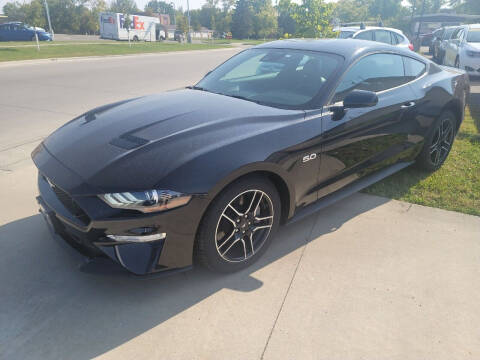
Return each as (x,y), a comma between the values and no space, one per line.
(146,201)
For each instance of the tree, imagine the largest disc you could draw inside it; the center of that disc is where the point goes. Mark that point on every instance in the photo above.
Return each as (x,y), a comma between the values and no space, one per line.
(127,22)
(286,23)
(466,6)
(312,19)
(29,13)
(182,24)
(352,10)
(384,9)
(160,7)
(264,19)
(124,6)
(242,19)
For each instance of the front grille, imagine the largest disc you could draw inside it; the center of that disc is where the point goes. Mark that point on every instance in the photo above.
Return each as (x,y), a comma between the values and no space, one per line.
(70,204)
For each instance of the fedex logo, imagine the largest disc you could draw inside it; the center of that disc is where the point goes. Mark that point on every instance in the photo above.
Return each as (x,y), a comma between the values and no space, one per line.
(136,24)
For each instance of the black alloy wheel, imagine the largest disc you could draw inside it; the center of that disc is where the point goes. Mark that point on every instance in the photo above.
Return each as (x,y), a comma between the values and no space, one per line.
(441,142)
(239,225)
(438,144)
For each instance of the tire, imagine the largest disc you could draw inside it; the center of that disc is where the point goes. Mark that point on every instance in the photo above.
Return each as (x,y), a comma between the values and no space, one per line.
(231,237)
(438,143)
(135,38)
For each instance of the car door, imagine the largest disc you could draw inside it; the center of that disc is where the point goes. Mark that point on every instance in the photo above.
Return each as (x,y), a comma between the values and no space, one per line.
(453,47)
(25,34)
(14,33)
(7,33)
(365,139)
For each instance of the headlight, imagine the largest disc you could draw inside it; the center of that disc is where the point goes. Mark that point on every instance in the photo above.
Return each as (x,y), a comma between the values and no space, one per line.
(146,201)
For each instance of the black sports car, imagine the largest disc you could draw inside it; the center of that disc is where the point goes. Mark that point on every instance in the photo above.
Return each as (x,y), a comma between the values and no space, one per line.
(274,133)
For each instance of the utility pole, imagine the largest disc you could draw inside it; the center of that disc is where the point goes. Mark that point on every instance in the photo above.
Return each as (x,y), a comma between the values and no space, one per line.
(174,13)
(189,37)
(48,18)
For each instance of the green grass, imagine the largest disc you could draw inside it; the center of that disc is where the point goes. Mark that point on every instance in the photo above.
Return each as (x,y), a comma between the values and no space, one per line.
(238,41)
(49,50)
(455,186)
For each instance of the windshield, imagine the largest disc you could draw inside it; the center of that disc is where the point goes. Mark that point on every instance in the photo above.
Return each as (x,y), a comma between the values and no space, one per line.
(346,34)
(275,77)
(473,35)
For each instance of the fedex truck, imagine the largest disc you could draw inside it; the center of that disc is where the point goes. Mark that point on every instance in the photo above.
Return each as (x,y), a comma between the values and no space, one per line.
(142,28)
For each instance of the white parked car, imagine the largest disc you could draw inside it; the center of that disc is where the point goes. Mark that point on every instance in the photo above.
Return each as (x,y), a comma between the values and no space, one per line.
(381,34)
(463,49)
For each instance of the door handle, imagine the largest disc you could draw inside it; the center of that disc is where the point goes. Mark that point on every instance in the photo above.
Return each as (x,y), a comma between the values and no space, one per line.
(408,105)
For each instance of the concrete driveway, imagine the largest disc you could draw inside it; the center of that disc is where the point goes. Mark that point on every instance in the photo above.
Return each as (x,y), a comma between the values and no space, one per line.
(367,278)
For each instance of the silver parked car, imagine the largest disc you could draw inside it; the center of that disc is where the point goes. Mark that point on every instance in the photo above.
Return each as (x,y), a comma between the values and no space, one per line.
(440,44)
(376,33)
(463,49)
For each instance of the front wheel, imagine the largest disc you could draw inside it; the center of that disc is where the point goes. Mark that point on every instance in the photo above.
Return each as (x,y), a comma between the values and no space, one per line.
(239,225)
(439,143)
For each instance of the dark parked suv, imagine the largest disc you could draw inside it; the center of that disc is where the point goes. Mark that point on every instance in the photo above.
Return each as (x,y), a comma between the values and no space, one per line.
(17,31)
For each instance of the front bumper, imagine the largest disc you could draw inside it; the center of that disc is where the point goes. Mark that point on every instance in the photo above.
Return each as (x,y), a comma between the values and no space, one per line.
(471,65)
(88,235)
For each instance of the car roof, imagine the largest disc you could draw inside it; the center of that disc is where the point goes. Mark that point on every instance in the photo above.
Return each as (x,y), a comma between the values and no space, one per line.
(349,28)
(357,28)
(382,28)
(348,48)
(474,26)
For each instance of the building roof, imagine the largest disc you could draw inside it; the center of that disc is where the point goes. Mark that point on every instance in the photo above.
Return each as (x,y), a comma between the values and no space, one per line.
(443,17)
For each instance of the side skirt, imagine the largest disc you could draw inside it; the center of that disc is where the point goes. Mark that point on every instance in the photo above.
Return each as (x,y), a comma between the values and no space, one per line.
(348,190)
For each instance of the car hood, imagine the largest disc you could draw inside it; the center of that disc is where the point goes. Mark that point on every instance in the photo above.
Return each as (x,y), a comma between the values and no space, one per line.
(130,145)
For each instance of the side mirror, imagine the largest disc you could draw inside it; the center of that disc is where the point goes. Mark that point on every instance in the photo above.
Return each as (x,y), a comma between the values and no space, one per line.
(354,99)
(360,99)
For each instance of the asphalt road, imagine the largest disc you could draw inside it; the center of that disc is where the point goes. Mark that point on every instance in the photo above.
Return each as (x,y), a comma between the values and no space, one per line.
(367,278)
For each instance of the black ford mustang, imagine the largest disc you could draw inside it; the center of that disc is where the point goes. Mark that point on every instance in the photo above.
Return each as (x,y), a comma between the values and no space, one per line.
(274,133)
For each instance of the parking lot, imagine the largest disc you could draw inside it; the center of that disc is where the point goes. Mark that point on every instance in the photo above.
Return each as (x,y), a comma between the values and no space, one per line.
(367,278)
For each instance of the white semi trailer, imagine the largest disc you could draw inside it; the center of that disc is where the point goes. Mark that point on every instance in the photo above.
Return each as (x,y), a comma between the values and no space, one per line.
(142,28)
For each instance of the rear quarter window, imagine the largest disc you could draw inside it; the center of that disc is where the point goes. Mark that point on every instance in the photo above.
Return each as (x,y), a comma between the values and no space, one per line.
(413,68)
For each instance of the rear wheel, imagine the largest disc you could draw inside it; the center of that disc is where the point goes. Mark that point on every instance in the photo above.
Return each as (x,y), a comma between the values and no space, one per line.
(439,143)
(135,38)
(239,225)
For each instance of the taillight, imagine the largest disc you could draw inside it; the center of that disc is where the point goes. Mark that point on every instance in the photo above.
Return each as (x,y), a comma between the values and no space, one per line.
(410,46)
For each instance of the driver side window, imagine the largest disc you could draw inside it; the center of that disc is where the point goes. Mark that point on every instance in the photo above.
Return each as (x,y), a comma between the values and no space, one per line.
(375,72)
